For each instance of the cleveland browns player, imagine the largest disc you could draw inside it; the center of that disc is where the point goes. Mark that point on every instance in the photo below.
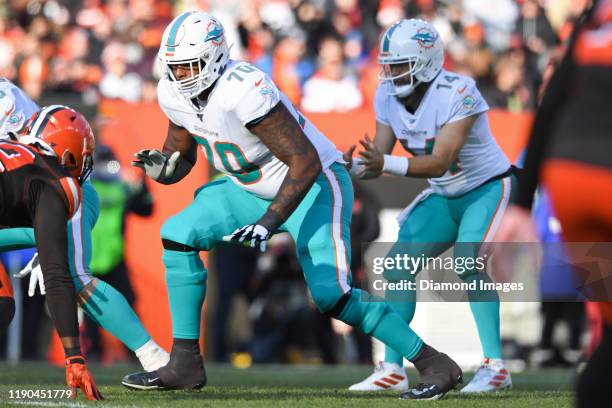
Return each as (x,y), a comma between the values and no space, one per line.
(40,177)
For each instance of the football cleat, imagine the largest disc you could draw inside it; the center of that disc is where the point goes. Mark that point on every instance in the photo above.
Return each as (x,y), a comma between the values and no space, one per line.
(185,370)
(491,376)
(386,376)
(439,374)
(146,380)
(424,391)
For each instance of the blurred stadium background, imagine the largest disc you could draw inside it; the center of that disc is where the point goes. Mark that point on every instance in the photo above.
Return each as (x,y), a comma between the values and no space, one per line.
(98,56)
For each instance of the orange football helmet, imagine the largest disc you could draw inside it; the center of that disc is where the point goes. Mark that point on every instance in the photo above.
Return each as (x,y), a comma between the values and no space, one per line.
(64,133)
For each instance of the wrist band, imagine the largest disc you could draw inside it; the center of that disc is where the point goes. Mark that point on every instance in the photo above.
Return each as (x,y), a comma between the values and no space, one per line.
(396,165)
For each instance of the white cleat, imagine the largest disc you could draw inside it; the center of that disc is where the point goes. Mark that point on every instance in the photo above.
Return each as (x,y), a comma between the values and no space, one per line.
(491,376)
(152,356)
(386,376)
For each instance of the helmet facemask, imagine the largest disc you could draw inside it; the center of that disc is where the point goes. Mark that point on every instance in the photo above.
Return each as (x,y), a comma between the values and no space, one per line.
(192,85)
(87,168)
(393,77)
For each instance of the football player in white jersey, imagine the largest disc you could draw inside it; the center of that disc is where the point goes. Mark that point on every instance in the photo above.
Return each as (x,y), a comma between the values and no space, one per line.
(282,175)
(102,302)
(440,118)
(15,109)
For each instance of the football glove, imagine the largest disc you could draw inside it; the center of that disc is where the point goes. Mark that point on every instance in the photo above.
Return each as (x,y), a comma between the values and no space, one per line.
(36,277)
(252,235)
(156,164)
(78,376)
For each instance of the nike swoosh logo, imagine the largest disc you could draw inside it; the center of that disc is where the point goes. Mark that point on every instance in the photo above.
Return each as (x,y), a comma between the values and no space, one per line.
(258,82)
(152,380)
(423,391)
(462,90)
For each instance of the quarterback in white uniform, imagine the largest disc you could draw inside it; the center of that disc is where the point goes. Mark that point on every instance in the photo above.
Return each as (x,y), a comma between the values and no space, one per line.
(440,118)
(282,175)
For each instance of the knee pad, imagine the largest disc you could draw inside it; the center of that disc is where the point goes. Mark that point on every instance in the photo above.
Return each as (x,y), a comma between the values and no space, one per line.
(7,311)
(326,298)
(337,309)
(361,310)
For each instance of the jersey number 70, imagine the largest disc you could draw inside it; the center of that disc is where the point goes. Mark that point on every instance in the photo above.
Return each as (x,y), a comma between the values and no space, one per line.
(248,173)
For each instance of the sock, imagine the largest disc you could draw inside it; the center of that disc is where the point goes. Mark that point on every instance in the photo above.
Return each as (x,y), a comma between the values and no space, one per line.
(186,281)
(485,309)
(375,317)
(486,315)
(107,307)
(404,304)
(151,356)
(148,347)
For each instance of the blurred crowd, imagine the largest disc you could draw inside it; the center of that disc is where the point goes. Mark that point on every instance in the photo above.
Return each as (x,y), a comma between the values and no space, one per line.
(321,53)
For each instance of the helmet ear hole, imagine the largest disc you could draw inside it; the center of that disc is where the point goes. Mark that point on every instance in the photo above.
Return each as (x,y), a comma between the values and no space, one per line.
(68,159)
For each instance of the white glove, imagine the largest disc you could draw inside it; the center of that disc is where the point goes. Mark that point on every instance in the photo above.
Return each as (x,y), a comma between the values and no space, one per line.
(36,277)
(252,235)
(156,164)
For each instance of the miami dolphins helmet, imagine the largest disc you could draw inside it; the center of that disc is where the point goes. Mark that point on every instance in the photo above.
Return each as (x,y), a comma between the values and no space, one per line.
(195,40)
(409,48)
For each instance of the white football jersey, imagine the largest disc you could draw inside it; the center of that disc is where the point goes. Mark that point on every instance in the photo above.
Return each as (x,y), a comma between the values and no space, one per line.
(450,97)
(16,108)
(241,95)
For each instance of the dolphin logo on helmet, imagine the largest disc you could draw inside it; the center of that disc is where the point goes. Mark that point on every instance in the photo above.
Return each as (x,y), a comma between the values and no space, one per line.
(215,33)
(425,38)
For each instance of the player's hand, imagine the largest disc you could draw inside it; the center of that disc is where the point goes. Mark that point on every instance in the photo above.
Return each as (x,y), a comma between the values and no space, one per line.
(252,235)
(78,376)
(156,164)
(354,164)
(516,226)
(36,277)
(348,156)
(373,160)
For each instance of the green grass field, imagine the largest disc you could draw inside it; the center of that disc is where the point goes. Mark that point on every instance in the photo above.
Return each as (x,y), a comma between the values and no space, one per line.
(279,386)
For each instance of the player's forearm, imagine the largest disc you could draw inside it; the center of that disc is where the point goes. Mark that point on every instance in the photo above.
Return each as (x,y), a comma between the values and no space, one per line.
(183,167)
(179,140)
(428,166)
(51,237)
(298,181)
